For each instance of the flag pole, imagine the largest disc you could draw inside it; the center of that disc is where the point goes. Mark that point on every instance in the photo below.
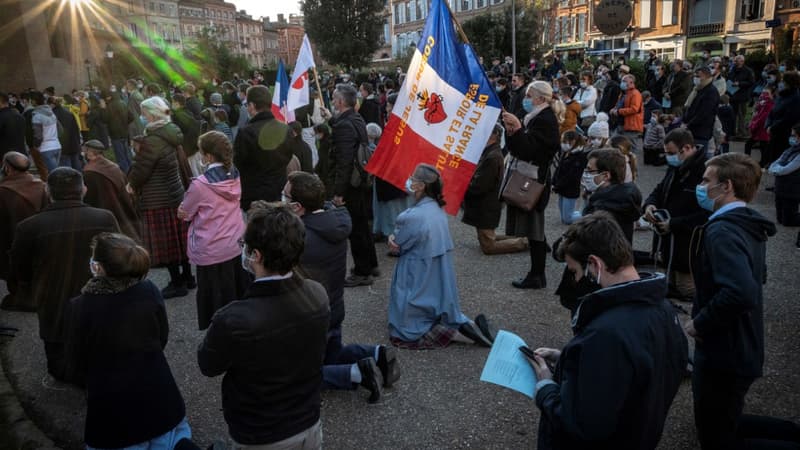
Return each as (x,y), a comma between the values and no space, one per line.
(458,25)
(319,90)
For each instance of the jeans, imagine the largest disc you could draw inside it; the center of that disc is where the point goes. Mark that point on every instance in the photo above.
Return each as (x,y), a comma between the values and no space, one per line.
(51,159)
(566,206)
(339,359)
(166,441)
(718,403)
(73,161)
(121,154)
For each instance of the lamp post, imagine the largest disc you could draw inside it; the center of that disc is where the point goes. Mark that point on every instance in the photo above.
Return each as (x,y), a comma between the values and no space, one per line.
(110,57)
(88,65)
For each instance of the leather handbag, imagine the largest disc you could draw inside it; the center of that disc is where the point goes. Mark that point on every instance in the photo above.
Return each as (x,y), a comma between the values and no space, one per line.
(521,187)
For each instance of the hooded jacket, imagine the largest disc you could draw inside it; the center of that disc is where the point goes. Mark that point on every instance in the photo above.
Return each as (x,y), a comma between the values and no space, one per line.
(622,200)
(729,270)
(617,377)
(325,257)
(45,129)
(212,206)
(787,174)
(12,131)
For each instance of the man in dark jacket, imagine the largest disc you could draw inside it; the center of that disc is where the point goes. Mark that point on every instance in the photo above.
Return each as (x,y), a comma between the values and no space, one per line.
(370,109)
(349,131)
(21,196)
(325,261)
(70,137)
(675,194)
(190,127)
(729,267)
(119,119)
(47,253)
(518,88)
(699,116)
(271,344)
(677,88)
(261,150)
(482,206)
(615,380)
(741,81)
(12,128)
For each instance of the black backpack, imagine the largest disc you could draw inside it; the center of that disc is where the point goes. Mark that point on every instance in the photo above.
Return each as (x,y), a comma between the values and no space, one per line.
(360,178)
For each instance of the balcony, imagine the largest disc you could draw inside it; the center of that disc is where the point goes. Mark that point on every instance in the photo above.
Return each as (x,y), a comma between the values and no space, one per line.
(706,29)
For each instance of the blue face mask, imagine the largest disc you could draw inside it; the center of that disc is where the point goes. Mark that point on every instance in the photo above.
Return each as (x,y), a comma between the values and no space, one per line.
(673,160)
(527,104)
(498,88)
(793,141)
(143,119)
(701,192)
(623,86)
(781,69)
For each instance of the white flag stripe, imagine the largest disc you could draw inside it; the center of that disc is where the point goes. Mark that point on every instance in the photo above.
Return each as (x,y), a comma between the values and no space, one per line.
(463,131)
(305,61)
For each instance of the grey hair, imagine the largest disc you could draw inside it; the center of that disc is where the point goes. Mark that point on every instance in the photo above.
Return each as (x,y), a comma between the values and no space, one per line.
(348,94)
(374,130)
(156,107)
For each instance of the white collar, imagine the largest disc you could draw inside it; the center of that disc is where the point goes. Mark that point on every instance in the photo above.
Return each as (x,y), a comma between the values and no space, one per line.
(276,277)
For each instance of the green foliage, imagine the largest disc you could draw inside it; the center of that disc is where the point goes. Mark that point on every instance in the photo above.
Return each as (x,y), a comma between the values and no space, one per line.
(490,34)
(574,66)
(638,70)
(346,32)
(215,58)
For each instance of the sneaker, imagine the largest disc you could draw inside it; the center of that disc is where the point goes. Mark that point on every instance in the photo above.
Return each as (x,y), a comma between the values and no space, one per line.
(369,378)
(357,280)
(387,363)
(174,290)
(375,272)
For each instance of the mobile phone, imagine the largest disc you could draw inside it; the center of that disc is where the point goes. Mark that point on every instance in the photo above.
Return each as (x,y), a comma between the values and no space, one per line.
(527,352)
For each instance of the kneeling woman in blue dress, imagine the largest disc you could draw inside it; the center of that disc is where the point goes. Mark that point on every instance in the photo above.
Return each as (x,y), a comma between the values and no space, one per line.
(424,310)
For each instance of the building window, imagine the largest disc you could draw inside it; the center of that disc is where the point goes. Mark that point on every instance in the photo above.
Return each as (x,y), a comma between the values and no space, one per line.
(411,10)
(466,5)
(152,6)
(581,26)
(480,4)
(708,11)
(668,12)
(752,9)
(647,14)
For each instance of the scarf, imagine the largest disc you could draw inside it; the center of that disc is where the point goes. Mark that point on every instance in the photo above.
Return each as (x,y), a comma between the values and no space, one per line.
(534,112)
(108,285)
(693,94)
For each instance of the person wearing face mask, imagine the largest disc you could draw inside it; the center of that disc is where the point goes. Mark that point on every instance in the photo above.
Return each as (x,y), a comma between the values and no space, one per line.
(424,309)
(758,123)
(132,397)
(536,143)
(567,176)
(729,267)
(783,116)
(271,344)
(503,92)
(675,194)
(741,80)
(586,97)
(598,132)
(624,333)
(787,182)
(325,260)
(44,256)
(517,95)
(631,111)
(21,196)
(572,110)
(211,206)
(677,88)
(701,107)
(105,188)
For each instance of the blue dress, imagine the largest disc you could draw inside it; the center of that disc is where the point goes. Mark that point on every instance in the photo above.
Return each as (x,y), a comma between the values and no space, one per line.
(423,291)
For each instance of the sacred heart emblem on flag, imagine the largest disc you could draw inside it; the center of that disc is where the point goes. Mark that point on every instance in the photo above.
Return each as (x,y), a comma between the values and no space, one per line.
(433,107)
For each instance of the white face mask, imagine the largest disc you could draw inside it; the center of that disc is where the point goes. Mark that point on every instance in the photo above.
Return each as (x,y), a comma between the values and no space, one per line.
(247,261)
(409,189)
(94,267)
(587,181)
(596,141)
(565,146)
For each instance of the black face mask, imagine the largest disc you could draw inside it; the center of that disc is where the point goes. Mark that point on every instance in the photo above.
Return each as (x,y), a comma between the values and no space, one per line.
(586,285)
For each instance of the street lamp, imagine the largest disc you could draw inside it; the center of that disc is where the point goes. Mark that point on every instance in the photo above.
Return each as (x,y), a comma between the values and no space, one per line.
(110,56)
(88,65)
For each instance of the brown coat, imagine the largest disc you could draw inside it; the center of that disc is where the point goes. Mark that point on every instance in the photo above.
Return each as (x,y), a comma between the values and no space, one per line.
(105,189)
(570,117)
(21,196)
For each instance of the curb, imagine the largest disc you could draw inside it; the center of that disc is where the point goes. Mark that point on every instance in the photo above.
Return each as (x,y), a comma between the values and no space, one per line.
(17,431)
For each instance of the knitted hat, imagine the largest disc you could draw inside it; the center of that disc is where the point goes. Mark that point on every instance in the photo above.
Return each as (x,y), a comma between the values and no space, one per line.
(599,128)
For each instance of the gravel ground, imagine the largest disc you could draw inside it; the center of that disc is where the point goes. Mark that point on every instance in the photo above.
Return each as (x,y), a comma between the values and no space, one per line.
(439,402)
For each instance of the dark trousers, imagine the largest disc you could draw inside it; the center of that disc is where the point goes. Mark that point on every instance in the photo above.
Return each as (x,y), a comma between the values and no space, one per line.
(740,110)
(361,244)
(786,211)
(718,403)
(338,360)
(56,359)
(761,432)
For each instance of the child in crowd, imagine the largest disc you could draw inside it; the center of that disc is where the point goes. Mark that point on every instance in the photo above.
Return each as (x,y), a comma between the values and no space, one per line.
(572,112)
(598,132)
(726,117)
(654,138)
(567,176)
(758,124)
(624,145)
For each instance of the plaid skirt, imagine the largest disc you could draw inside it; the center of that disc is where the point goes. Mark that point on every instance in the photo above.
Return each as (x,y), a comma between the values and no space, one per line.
(164,236)
(439,336)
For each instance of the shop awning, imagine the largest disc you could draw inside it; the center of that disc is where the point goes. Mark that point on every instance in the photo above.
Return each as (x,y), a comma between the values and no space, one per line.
(571,46)
(608,52)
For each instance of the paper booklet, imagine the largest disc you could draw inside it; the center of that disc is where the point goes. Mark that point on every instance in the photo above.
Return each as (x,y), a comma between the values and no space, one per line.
(506,365)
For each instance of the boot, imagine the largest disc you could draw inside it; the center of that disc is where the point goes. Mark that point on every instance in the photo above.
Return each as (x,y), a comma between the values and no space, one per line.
(536,277)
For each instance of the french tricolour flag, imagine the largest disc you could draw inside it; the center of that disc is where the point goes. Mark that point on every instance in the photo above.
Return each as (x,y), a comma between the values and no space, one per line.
(445,112)
(280,96)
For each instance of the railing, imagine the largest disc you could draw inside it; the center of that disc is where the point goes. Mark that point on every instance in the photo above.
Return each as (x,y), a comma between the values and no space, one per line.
(706,29)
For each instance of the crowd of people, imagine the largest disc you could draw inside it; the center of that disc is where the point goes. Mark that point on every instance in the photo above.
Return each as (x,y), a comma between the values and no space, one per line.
(140,178)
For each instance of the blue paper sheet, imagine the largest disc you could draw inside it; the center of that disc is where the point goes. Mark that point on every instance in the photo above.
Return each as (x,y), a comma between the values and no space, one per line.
(506,365)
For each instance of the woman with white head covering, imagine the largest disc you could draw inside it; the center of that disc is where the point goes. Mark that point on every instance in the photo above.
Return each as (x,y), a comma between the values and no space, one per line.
(536,141)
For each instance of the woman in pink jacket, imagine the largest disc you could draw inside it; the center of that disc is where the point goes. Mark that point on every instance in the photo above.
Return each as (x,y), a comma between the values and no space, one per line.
(758,124)
(211,204)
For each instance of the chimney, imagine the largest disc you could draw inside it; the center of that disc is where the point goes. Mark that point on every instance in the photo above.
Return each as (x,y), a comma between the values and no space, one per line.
(281,18)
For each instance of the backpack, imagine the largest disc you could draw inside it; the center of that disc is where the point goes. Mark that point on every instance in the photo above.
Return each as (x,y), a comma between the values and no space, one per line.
(360,178)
